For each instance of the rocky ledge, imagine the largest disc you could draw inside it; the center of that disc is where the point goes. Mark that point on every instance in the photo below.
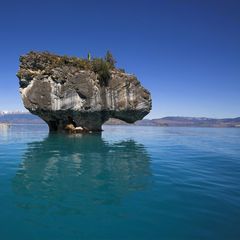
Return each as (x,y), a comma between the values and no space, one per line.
(69,92)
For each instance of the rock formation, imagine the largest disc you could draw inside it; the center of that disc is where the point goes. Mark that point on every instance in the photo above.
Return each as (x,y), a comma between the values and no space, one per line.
(67,90)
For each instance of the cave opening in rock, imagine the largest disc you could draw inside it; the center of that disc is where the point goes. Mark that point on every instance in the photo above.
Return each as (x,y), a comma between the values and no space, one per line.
(71,121)
(53,126)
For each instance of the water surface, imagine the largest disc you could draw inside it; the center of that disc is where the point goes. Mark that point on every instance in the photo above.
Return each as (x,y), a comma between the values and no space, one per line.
(127,183)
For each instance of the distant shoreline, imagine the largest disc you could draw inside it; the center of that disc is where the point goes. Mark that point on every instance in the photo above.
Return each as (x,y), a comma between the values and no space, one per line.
(30,119)
(125,125)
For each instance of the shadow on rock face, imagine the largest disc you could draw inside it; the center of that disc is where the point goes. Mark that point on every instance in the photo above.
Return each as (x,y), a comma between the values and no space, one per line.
(75,174)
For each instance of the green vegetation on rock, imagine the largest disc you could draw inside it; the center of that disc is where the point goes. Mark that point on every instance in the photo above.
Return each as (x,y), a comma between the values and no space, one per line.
(102,68)
(110,59)
(47,61)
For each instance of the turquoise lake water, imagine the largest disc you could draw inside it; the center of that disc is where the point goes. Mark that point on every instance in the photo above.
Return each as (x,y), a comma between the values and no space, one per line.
(127,183)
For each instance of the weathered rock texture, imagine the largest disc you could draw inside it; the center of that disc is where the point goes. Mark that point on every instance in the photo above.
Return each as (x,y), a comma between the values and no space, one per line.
(60,91)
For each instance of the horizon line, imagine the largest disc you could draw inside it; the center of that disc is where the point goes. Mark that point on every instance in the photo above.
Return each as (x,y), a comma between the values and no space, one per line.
(172,116)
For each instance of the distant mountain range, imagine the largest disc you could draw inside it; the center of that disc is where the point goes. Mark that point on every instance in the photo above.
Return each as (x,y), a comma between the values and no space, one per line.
(20,118)
(27,118)
(191,122)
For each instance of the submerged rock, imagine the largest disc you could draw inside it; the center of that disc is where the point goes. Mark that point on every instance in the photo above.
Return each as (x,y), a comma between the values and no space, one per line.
(65,90)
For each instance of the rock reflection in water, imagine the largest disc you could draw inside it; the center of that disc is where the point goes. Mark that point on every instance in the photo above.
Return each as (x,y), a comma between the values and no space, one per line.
(78,173)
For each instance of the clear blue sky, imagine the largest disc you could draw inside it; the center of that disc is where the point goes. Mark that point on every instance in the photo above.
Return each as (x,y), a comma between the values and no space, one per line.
(186,52)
